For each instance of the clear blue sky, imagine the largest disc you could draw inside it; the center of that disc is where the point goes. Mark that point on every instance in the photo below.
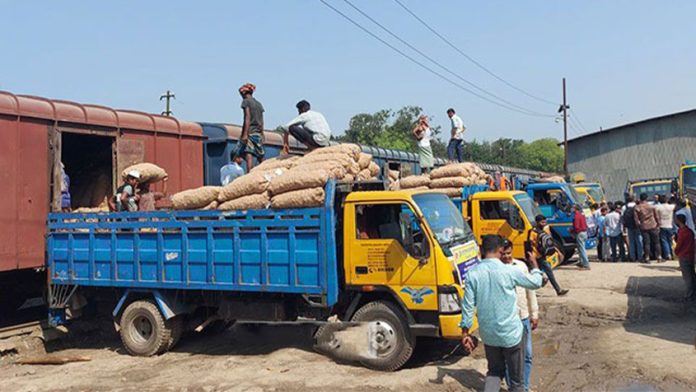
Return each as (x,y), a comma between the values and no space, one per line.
(624,60)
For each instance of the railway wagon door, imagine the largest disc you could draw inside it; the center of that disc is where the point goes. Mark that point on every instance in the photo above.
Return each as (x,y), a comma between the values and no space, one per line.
(88,158)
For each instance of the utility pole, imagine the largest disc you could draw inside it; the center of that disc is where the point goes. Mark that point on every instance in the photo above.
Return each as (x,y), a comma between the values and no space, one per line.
(168,96)
(564,108)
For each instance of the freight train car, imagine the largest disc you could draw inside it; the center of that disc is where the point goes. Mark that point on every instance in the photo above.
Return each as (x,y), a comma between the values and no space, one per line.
(222,140)
(94,143)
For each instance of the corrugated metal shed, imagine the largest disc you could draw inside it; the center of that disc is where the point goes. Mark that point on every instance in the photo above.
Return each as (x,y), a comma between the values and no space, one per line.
(651,148)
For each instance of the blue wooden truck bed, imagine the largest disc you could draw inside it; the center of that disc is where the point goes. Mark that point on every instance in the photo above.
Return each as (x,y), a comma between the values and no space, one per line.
(274,251)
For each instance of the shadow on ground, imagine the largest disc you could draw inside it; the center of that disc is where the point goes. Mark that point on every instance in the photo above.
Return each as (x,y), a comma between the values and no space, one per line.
(656,308)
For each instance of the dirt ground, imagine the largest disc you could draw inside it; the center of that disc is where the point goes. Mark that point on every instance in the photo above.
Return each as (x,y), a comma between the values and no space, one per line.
(622,327)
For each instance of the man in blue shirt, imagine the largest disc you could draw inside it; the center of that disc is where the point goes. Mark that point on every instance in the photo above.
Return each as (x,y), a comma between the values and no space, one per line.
(232,170)
(490,288)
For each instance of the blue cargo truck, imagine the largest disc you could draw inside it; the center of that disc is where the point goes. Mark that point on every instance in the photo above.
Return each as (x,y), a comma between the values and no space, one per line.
(556,201)
(386,259)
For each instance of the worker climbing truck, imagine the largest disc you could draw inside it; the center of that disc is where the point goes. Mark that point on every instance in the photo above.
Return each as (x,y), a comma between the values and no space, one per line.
(391,262)
(509,214)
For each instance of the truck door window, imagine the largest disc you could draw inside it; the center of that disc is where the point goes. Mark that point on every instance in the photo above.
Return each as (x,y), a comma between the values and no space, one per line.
(495,209)
(542,198)
(383,221)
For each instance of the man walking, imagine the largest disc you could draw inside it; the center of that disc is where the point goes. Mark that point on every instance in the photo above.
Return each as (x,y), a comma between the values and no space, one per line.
(542,247)
(579,230)
(528,309)
(646,220)
(455,148)
(252,138)
(490,288)
(635,241)
(614,230)
(309,128)
(665,214)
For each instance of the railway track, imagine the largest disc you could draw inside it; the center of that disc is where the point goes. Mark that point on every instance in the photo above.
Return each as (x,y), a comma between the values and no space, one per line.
(27,328)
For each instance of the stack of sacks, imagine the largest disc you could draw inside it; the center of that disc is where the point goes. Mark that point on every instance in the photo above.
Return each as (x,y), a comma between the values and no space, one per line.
(393,180)
(281,162)
(450,179)
(553,179)
(204,198)
(415,183)
(300,187)
(248,192)
(287,182)
(333,158)
(149,172)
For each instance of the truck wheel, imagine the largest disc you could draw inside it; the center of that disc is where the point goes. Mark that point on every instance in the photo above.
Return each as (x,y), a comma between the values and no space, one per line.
(144,332)
(324,339)
(567,254)
(390,341)
(177,325)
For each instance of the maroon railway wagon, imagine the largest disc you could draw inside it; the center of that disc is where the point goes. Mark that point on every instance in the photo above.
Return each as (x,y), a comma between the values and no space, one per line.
(94,143)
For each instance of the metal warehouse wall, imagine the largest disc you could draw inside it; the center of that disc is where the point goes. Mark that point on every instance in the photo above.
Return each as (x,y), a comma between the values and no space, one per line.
(649,149)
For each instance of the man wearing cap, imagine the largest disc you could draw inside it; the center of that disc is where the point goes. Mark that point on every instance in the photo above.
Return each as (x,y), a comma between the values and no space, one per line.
(125,198)
(252,138)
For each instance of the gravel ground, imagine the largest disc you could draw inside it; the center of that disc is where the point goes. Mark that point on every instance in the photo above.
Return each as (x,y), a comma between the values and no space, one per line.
(622,327)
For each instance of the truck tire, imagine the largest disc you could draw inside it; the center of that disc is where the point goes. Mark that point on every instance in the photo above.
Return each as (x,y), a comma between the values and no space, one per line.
(177,325)
(392,340)
(324,340)
(567,254)
(144,332)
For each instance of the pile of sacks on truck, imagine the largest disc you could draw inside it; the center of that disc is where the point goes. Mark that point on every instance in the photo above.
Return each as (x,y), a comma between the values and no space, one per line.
(449,179)
(284,182)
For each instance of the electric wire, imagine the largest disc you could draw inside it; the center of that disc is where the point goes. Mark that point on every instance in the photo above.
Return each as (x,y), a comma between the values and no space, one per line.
(471,59)
(438,64)
(424,66)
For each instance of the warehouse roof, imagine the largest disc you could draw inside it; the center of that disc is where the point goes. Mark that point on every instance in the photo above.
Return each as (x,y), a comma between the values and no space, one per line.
(603,131)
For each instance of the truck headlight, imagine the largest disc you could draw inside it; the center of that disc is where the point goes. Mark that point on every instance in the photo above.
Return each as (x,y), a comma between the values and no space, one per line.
(448,300)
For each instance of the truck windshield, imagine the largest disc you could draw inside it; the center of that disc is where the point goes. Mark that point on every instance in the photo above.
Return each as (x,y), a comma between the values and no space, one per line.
(530,209)
(596,193)
(444,219)
(689,177)
(577,199)
(582,199)
(652,189)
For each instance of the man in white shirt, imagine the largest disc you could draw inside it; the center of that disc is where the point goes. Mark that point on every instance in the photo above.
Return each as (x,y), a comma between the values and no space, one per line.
(665,213)
(528,308)
(455,148)
(232,170)
(614,230)
(309,128)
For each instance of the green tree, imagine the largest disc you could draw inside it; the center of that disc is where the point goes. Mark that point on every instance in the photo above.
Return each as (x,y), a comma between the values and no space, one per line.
(389,129)
(543,154)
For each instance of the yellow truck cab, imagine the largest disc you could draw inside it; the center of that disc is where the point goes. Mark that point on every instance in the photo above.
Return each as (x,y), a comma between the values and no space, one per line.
(592,191)
(687,180)
(510,214)
(651,187)
(411,249)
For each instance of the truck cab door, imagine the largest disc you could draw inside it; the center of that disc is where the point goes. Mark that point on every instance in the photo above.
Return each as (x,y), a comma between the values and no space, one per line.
(502,217)
(378,254)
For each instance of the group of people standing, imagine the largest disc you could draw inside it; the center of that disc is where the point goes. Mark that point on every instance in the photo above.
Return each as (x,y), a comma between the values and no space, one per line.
(309,128)
(423,134)
(648,228)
